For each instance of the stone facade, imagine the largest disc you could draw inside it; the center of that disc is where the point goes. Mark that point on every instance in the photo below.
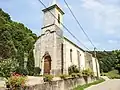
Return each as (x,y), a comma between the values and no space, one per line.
(88,60)
(50,41)
(67,84)
(61,51)
(75,58)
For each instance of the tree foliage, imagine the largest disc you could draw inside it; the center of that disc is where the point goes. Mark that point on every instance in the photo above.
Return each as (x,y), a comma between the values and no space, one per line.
(117,57)
(15,40)
(108,60)
(7,67)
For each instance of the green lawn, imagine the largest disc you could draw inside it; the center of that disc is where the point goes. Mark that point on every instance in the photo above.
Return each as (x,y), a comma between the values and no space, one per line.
(113,74)
(82,87)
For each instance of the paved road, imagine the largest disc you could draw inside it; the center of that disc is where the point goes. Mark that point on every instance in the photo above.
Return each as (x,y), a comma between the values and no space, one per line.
(107,85)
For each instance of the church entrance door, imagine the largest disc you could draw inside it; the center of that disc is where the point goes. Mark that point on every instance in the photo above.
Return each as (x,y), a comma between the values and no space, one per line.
(47,64)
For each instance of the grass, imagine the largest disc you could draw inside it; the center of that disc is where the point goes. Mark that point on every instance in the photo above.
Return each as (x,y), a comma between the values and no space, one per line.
(82,87)
(113,74)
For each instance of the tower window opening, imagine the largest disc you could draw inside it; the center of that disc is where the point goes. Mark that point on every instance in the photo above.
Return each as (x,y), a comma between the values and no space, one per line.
(58,18)
(71,55)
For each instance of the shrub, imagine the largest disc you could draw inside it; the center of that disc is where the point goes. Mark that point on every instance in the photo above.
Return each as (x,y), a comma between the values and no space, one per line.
(7,66)
(37,70)
(87,72)
(22,71)
(48,78)
(74,75)
(16,80)
(79,74)
(73,69)
(64,76)
(113,74)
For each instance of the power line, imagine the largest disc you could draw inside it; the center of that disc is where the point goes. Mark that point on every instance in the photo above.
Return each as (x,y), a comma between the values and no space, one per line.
(79,23)
(85,35)
(64,26)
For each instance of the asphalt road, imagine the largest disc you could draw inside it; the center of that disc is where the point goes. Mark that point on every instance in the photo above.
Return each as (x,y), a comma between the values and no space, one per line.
(113,84)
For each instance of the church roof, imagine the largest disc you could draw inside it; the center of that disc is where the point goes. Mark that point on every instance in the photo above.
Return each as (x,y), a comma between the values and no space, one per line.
(53,6)
(74,44)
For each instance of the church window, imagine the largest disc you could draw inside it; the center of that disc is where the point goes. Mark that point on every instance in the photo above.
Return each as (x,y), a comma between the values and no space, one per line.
(58,18)
(71,55)
(78,55)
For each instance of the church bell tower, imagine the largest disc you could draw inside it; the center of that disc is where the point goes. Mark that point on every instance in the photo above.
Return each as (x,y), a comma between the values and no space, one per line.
(53,16)
(50,43)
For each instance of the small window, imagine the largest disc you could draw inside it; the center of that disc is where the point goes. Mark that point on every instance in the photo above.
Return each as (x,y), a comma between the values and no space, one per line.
(78,55)
(71,55)
(58,18)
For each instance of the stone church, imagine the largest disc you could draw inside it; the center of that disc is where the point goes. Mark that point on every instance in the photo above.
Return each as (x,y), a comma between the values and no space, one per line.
(53,52)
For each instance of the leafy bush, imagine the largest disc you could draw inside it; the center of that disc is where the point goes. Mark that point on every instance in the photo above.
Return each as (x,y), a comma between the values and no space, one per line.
(15,40)
(37,70)
(87,72)
(16,80)
(79,74)
(114,77)
(73,69)
(74,75)
(64,76)
(48,78)
(7,66)
(114,74)
(31,63)
(22,71)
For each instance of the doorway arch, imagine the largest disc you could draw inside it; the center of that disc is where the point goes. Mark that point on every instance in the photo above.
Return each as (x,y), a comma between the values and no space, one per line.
(47,63)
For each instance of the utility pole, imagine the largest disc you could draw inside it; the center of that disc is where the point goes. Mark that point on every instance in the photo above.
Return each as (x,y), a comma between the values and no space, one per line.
(96,62)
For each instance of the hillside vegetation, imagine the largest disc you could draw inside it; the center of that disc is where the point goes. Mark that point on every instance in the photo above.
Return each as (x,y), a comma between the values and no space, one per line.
(109,62)
(16,43)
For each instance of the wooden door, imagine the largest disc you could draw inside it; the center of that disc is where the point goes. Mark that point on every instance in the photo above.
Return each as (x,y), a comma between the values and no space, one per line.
(47,65)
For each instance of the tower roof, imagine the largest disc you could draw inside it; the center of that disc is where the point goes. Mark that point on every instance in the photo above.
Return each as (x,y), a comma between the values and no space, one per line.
(53,6)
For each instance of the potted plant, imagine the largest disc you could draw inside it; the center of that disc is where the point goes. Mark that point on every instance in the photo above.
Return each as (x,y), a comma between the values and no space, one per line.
(16,81)
(64,76)
(48,78)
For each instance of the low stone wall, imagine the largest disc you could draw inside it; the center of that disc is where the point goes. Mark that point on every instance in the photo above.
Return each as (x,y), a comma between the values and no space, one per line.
(67,84)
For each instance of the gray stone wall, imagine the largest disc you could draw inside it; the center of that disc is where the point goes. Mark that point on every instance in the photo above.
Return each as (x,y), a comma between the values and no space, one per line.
(59,42)
(88,60)
(51,42)
(67,84)
(49,18)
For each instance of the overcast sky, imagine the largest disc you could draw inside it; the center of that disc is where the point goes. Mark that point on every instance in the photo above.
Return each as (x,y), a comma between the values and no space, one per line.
(99,18)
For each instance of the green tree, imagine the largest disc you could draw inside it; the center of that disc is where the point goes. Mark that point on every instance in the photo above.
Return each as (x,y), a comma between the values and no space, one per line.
(106,60)
(117,57)
(7,66)
(31,63)
(15,40)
